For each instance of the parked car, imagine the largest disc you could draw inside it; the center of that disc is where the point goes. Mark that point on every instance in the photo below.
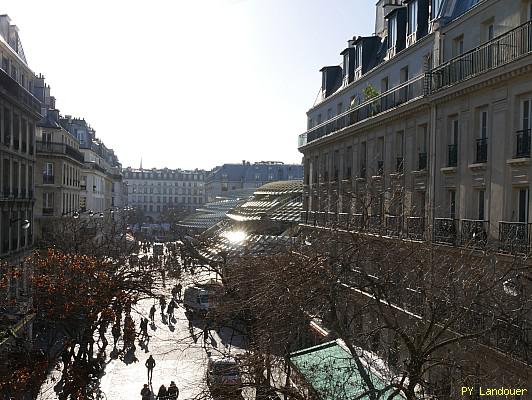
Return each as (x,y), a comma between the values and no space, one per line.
(201,298)
(223,375)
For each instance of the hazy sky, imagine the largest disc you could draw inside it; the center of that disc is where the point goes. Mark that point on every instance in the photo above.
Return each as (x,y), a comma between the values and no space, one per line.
(188,84)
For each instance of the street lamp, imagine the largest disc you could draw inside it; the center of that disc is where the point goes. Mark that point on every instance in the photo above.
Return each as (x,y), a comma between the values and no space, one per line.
(24,225)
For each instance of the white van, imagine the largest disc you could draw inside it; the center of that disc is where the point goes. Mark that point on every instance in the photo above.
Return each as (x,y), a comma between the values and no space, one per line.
(201,298)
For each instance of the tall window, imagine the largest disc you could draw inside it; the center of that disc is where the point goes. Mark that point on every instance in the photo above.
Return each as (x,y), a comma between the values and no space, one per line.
(348,162)
(522,204)
(481,197)
(452,204)
(392,32)
(483,133)
(412,17)
(435,8)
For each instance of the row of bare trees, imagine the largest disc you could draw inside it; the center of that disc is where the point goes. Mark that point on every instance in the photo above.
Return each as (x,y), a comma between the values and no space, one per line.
(426,319)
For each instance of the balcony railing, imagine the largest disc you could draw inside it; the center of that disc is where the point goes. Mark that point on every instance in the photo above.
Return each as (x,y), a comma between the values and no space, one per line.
(48,179)
(411,90)
(474,233)
(19,93)
(394,225)
(445,230)
(48,211)
(375,224)
(59,148)
(514,237)
(452,155)
(415,228)
(522,141)
(422,161)
(482,150)
(493,54)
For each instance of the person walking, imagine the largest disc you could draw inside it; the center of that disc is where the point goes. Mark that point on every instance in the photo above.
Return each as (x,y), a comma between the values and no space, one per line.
(150,364)
(171,306)
(145,393)
(205,337)
(173,391)
(179,288)
(116,334)
(162,394)
(152,313)
(162,303)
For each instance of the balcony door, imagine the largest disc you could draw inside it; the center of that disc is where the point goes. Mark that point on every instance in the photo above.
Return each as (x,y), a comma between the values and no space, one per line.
(522,204)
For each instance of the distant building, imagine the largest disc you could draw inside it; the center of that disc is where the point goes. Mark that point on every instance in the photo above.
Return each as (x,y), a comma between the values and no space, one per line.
(230,179)
(154,191)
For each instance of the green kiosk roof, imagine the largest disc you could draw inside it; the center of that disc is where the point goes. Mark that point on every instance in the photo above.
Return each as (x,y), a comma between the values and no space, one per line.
(331,371)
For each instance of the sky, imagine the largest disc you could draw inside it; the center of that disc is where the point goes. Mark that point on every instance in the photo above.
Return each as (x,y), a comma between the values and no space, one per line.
(189,84)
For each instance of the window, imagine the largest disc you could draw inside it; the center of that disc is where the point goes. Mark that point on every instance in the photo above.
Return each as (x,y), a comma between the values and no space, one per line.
(5,64)
(329,113)
(435,8)
(412,17)
(340,108)
(522,204)
(452,204)
(363,159)
(348,162)
(384,84)
(483,124)
(458,45)
(481,195)
(392,32)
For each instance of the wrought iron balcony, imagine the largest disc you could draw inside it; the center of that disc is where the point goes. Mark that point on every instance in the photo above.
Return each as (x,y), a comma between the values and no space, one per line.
(522,144)
(422,161)
(59,148)
(411,90)
(445,230)
(474,233)
(415,228)
(493,54)
(452,159)
(375,224)
(482,150)
(514,237)
(18,93)
(394,225)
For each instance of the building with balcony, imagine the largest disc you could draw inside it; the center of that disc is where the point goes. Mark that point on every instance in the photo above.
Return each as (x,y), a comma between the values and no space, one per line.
(101,171)
(230,180)
(19,113)
(153,191)
(58,165)
(423,132)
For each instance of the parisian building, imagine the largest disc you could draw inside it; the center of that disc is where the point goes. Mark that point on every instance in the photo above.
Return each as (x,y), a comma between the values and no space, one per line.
(101,184)
(231,180)
(435,111)
(19,114)
(154,191)
(59,164)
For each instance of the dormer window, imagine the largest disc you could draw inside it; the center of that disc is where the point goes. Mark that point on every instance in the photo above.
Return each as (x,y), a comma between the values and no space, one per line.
(412,16)
(392,32)
(435,8)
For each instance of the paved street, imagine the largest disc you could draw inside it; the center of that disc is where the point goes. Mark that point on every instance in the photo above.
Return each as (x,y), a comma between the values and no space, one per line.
(179,356)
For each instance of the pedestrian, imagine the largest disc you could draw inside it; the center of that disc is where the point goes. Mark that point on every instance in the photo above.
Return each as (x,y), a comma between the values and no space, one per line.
(173,391)
(150,364)
(162,302)
(162,393)
(179,288)
(171,306)
(174,292)
(145,393)
(116,334)
(205,337)
(152,313)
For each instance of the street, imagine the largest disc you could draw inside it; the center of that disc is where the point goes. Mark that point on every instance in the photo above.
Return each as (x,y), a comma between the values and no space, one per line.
(179,355)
